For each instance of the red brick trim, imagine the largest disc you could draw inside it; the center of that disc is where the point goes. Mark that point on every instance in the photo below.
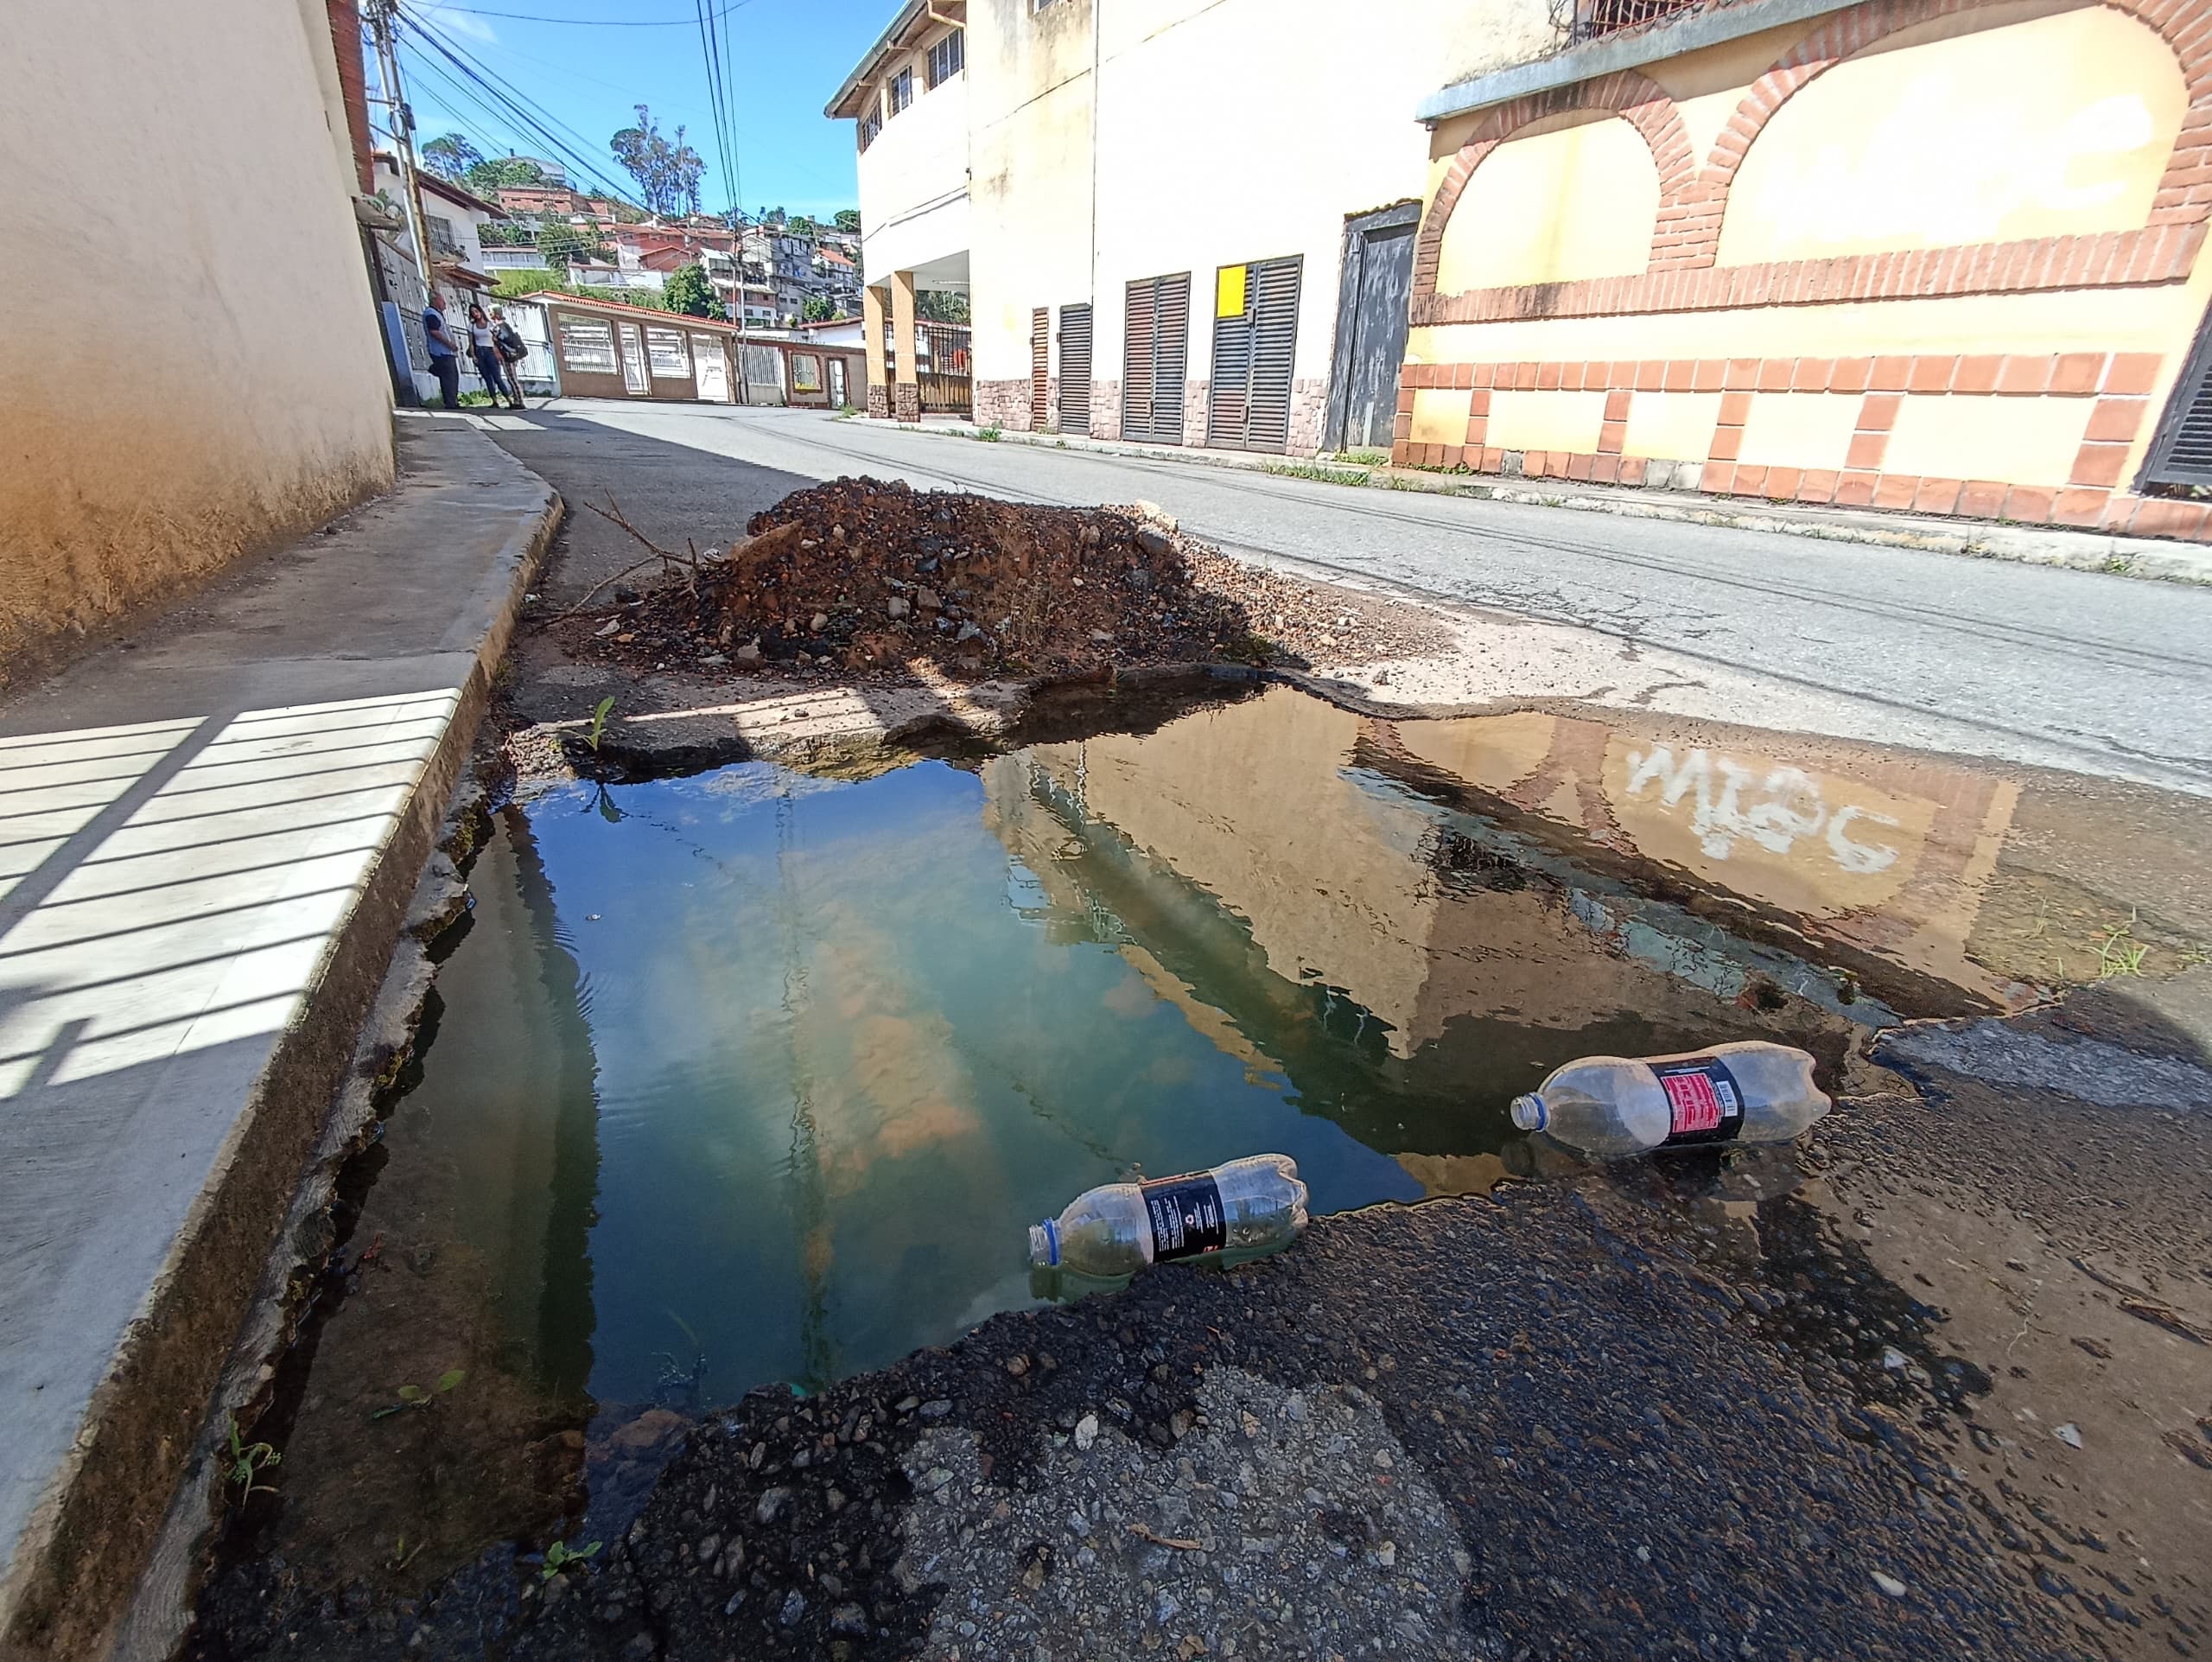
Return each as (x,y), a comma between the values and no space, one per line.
(1681,276)
(1627,94)
(2118,382)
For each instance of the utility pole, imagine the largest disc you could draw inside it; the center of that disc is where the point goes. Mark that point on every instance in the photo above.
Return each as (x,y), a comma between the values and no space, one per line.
(380,14)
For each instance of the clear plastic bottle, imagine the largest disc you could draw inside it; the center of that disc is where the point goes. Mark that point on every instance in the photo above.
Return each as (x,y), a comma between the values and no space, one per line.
(1612,1106)
(1254,1204)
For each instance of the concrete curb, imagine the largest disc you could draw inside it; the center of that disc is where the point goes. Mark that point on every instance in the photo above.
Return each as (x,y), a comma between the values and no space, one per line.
(137,1455)
(2148,557)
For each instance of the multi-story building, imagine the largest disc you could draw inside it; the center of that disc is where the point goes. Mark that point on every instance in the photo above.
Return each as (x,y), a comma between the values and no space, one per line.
(535,201)
(1947,255)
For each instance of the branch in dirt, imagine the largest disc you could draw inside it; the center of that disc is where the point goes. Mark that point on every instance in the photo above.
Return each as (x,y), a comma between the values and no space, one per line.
(613,514)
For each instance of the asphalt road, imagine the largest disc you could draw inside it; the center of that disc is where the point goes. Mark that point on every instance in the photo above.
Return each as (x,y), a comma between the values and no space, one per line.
(2097,674)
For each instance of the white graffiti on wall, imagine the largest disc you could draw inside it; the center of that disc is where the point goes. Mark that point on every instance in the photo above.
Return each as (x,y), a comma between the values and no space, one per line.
(1729,801)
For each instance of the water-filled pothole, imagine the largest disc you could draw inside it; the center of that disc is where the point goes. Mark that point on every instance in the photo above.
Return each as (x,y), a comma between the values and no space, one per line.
(759,1075)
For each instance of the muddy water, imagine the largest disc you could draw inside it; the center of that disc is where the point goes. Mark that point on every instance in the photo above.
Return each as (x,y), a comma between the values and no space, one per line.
(758,1076)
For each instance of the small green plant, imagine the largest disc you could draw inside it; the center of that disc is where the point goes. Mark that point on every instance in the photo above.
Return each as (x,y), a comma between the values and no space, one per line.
(402,1554)
(248,1461)
(560,1555)
(2119,952)
(1315,470)
(598,728)
(415,1396)
(990,434)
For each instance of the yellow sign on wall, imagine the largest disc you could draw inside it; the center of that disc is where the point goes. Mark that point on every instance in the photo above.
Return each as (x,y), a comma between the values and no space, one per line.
(1229,290)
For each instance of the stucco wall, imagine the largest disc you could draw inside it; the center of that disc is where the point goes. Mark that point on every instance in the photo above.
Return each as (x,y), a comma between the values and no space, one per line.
(1918,254)
(913,180)
(186,380)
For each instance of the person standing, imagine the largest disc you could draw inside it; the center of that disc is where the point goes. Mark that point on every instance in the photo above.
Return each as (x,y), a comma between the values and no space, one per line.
(512,349)
(445,356)
(487,354)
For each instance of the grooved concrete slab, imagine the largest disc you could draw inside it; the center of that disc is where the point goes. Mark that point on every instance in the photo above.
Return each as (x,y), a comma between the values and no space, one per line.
(207,834)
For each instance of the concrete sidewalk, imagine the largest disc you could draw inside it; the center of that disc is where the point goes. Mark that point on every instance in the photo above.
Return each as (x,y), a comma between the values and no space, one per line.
(212,830)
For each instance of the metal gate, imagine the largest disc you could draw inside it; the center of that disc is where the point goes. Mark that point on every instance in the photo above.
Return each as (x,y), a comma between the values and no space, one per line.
(1155,351)
(945,367)
(1371,306)
(1074,369)
(1040,366)
(1254,340)
(2180,449)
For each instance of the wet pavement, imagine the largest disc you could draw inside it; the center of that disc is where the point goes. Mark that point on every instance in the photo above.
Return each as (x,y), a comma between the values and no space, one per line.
(752,1079)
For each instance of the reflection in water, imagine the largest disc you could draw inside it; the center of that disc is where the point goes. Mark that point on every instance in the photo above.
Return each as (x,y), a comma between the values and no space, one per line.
(759,1076)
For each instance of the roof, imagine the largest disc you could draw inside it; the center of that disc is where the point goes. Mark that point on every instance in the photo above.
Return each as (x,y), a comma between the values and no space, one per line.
(451,192)
(905,29)
(453,270)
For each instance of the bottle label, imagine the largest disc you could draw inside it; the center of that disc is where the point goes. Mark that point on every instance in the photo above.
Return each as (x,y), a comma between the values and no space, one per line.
(1703,1105)
(1186,1214)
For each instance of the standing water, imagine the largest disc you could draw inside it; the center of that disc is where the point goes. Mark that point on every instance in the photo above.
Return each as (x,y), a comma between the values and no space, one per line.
(759,1077)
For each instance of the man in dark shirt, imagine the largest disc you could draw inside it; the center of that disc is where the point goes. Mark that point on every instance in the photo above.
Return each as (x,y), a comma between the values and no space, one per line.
(445,356)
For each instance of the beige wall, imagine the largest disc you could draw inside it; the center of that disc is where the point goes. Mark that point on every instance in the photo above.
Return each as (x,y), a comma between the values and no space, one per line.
(1996,124)
(913,180)
(192,361)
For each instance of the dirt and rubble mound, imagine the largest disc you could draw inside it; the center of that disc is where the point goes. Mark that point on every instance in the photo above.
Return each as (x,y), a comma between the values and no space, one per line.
(865,576)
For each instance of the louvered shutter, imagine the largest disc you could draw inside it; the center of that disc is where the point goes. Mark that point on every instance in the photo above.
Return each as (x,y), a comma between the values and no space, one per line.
(1040,367)
(1137,361)
(2181,454)
(1274,346)
(1074,369)
(1170,351)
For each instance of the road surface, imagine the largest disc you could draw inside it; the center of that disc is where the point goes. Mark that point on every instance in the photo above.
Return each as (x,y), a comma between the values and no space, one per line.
(2080,671)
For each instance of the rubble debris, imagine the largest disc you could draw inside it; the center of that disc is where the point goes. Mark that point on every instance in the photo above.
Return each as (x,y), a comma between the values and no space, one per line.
(864,577)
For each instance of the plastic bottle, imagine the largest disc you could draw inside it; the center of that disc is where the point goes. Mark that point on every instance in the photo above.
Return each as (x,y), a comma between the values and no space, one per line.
(1612,1107)
(1252,1204)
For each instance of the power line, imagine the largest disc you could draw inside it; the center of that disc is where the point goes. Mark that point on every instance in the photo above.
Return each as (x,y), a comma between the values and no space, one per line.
(590,22)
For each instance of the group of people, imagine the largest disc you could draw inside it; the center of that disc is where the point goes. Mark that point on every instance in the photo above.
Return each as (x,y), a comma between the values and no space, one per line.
(495,344)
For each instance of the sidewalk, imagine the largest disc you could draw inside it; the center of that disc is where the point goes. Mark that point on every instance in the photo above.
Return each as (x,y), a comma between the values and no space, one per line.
(2079,550)
(213,831)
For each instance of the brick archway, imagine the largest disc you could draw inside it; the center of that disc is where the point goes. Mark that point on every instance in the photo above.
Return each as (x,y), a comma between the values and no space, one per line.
(2184,195)
(1636,98)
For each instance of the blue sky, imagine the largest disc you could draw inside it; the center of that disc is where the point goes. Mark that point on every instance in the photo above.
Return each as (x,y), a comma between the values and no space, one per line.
(789,57)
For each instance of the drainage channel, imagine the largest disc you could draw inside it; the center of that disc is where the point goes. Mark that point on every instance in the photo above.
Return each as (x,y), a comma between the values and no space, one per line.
(757,1076)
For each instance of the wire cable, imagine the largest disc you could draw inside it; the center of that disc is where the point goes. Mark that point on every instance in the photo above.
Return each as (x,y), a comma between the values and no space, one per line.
(589,23)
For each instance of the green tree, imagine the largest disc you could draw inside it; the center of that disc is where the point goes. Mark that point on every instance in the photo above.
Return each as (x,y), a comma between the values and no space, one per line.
(818,309)
(451,157)
(668,172)
(690,292)
(560,242)
(941,306)
(506,233)
(848,221)
(489,173)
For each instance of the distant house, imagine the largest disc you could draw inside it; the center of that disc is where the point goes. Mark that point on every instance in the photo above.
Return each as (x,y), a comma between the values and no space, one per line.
(532,200)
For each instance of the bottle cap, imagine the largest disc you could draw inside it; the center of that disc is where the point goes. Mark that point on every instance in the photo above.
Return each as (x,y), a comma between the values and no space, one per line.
(1528,1112)
(1045,1244)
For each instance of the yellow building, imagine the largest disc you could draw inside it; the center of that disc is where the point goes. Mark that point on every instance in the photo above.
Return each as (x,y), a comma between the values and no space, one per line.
(1904,253)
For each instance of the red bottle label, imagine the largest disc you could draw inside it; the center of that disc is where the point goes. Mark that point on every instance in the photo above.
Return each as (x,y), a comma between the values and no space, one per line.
(1703,1105)
(1186,1214)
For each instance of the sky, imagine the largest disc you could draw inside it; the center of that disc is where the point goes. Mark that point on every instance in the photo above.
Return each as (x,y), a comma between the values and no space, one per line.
(601,57)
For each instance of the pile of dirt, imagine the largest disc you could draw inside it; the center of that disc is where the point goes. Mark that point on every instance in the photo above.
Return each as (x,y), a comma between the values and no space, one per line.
(862,574)
(864,577)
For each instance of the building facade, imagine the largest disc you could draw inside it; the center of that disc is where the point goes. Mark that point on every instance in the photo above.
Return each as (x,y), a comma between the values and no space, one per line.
(1147,203)
(1913,254)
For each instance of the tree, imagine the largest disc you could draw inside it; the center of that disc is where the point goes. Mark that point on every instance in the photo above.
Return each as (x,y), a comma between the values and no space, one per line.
(451,157)
(489,173)
(560,242)
(941,306)
(668,172)
(507,234)
(848,221)
(689,291)
(818,309)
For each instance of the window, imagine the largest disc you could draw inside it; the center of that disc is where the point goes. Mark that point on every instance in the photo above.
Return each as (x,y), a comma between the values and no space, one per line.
(441,237)
(901,90)
(806,372)
(665,351)
(948,57)
(871,125)
(588,348)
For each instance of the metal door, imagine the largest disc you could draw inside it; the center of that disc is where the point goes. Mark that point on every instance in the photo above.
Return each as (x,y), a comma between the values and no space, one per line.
(1156,353)
(1255,343)
(1040,367)
(712,367)
(837,399)
(634,362)
(1074,369)
(1371,312)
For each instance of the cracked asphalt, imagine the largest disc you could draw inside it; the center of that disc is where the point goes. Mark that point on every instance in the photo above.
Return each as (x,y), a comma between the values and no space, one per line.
(2099,674)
